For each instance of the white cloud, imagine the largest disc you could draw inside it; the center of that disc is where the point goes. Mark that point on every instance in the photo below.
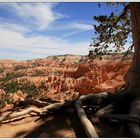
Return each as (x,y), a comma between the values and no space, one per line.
(74,25)
(71,33)
(40,15)
(13,27)
(73,28)
(82,26)
(37,46)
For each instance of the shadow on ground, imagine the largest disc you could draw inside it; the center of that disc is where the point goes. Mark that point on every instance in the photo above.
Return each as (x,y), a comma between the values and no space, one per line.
(61,125)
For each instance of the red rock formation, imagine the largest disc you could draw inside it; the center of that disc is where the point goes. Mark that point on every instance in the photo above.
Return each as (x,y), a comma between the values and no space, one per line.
(89,78)
(66,76)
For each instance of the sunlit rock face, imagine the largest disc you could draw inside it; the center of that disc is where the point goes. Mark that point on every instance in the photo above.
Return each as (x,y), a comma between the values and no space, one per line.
(61,77)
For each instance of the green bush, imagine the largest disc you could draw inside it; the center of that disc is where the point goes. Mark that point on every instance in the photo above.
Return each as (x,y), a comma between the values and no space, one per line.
(11,87)
(4,100)
(29,88)
(1,70)
(12,75)
(37,73)
(2,103)
(25,87)
(18,67)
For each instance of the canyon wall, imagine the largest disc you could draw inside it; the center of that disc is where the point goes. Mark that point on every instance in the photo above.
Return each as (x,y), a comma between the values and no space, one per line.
(60,77)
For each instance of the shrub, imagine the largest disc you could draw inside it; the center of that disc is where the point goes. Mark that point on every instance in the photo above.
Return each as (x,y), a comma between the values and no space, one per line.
(18,67)
(4,100)
(1,70)
(12,75)
(11,87)
(29,88)
(37,73)
(25,87)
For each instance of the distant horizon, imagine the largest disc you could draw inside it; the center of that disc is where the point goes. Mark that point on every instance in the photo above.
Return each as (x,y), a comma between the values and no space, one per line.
(38,30)
(54,55)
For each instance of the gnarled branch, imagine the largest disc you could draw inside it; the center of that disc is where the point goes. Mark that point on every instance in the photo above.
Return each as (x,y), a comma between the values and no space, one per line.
(89,128)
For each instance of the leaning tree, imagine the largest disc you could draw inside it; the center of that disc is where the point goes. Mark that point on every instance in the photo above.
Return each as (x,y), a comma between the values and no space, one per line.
(114,30)
(124,105)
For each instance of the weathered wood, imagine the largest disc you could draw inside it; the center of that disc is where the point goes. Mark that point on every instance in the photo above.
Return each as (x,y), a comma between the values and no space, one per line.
(105,110)
(51,107)
(134,130)
(36,103)
(11,115)
(135,112)
(68,104)
(89,128)
(128,118)
(93,97)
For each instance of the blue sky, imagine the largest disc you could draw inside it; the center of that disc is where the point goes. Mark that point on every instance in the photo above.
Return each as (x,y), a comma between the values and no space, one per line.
(37,30)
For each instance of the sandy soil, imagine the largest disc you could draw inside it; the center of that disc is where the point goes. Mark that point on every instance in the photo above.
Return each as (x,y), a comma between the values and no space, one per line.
(62,125)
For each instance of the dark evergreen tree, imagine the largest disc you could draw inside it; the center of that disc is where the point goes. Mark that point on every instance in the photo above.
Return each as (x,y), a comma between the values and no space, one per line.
(112,30)
(124,104)
(115,29)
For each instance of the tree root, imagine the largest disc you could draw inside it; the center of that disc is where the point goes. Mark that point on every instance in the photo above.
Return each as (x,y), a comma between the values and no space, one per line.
(11,115)
(88,127)
(134,130)
(133,119)
(36,103)
(105,110)
(101,100)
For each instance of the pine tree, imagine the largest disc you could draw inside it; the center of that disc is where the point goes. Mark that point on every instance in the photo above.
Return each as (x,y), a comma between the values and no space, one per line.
(115,29)
(112,30)
(123,105)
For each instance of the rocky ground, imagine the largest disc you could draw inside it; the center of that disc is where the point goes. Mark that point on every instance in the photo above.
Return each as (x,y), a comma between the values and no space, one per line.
(59,77)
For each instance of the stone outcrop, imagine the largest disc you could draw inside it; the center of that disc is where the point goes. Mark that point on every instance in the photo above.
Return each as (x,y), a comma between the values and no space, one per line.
(62,77)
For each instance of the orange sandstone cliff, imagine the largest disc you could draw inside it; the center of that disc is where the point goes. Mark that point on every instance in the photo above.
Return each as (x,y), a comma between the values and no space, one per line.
(59,77)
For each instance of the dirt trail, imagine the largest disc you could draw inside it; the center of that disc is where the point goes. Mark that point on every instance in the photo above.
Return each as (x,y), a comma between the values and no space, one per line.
(62,125)
(32,127)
